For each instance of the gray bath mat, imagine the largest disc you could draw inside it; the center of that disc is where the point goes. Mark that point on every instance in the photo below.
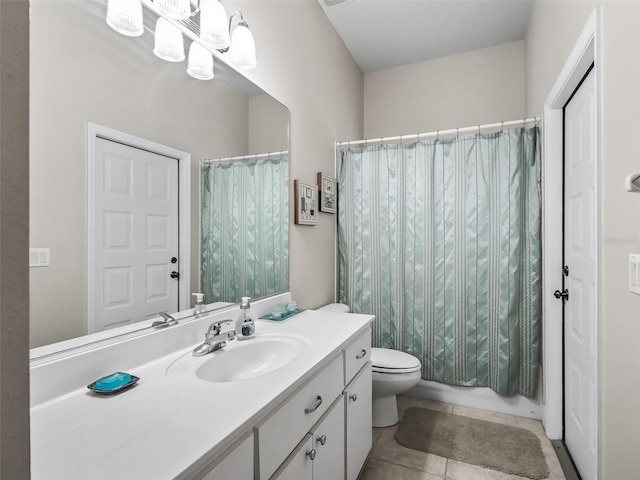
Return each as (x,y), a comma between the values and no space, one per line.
(499,447)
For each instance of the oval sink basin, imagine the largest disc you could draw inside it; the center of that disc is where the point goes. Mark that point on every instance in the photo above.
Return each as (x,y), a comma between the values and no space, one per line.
(241,360)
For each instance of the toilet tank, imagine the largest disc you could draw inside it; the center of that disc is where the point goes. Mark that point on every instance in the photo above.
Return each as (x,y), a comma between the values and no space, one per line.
(335,307)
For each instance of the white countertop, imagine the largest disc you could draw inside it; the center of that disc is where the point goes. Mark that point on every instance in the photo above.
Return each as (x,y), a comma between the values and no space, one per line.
(167,427)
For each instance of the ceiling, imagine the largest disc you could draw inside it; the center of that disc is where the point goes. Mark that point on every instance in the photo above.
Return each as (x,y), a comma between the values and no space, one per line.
(382,34)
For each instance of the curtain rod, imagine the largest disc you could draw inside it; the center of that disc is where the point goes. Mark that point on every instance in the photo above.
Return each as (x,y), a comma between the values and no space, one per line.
(439,133)
(243,158)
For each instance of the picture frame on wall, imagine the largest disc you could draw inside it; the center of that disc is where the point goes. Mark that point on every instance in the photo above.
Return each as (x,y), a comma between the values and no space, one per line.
(306,203)
(328,193)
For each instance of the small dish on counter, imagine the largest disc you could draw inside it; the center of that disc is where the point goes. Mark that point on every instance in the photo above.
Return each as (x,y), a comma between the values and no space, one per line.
(114,383)
(282,316)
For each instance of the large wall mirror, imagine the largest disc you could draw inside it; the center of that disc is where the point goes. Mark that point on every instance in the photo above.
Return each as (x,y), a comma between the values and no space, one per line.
(88,82)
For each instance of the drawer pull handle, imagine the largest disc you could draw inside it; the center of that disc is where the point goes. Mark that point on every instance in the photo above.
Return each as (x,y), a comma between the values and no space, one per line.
(322,439)
(362,354)
(311,454)
(354,397)
(315,406)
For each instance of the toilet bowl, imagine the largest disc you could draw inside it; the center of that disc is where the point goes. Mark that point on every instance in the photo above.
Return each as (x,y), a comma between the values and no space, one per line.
(393,373)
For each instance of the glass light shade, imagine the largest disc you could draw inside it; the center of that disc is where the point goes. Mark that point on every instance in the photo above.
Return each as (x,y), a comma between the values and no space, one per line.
(243,47)
(125,17)
(169,44)
(178,9)
(200,62)
(213,24)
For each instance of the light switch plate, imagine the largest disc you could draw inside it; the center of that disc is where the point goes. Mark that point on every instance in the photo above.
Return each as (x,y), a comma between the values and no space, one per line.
(634,273)
(39,257)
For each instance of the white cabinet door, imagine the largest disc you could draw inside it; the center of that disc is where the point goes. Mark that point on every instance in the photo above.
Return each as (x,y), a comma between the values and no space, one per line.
(328,441)
(299,465)
(358,422)
(238,465)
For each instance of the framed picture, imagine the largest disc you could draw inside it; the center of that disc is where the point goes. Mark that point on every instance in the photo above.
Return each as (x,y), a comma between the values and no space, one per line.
(306,203)
(328,193)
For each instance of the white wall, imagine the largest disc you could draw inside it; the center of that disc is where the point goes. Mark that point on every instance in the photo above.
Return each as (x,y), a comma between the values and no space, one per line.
(303,63)
(553,30)
(482,86)
(268,125)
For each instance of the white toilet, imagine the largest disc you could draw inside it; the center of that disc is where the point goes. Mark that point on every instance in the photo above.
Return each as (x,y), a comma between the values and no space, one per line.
(394,372)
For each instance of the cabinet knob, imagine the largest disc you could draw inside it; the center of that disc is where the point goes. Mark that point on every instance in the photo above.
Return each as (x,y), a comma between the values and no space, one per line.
(322,439)
(362,354)
(353,397)
(311,454)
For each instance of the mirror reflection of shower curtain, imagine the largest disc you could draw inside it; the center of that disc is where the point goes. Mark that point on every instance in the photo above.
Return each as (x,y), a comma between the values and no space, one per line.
(440,240)
(245,228)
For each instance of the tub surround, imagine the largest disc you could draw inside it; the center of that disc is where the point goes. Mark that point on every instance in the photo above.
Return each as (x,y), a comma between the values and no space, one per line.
(167,427)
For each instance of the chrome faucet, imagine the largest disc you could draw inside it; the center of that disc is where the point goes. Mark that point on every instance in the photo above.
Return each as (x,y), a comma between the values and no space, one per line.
(166,320)
(213,339)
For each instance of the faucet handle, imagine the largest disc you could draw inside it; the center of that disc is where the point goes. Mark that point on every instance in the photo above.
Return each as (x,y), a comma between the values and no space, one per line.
(214,328)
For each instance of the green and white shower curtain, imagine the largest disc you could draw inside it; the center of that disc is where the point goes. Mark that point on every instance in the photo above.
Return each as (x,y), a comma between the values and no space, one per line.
(245,228)
(440,240)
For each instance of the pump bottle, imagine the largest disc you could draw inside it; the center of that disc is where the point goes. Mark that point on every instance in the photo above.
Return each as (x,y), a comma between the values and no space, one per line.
(245,326)
(199,306)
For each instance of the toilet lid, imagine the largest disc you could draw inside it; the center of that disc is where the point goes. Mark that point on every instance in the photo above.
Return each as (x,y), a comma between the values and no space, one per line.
(386,360)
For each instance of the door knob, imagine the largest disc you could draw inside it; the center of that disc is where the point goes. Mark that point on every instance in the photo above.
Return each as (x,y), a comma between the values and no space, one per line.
(311,453)
(322,439)
(561,294)
(174,260)
(175,274)
(354,397)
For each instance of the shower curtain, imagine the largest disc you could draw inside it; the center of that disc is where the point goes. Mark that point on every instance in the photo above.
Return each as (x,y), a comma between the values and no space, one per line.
(245,228)
(440,240)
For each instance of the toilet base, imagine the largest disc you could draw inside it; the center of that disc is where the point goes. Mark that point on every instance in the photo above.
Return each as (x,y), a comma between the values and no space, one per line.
(385,411)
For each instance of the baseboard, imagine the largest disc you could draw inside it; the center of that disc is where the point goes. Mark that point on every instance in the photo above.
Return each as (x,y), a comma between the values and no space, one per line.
(477,397)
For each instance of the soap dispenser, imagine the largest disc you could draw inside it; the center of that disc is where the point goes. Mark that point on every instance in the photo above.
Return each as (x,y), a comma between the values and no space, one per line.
(199,306)
(245,326)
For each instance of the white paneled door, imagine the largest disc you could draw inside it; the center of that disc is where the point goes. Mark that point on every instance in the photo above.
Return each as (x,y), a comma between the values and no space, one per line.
(580,253)
(135,235)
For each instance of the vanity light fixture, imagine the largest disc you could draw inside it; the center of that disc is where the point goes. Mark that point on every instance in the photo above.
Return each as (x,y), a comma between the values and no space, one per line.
(200,64)
(243,46)
(178,9)
(213,24)
(168,44)
(125,17)
(236,41)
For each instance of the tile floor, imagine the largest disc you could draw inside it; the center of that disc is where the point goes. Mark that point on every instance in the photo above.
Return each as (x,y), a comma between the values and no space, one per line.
(389,460)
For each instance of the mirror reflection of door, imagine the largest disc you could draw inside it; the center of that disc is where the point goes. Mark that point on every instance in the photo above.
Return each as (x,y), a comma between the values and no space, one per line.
(134,269)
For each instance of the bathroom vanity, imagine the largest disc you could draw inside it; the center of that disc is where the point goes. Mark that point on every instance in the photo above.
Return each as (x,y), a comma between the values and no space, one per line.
(293,403)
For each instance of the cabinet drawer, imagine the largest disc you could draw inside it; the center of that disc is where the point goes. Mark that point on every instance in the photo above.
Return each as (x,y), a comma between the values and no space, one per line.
(279,434)
(357,355)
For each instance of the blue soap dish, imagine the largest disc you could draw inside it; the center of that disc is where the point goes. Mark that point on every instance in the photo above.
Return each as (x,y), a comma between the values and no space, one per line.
(114,383)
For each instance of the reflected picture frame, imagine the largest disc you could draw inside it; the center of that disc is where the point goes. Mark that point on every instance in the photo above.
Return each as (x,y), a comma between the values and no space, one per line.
(306,203)
(328,193)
